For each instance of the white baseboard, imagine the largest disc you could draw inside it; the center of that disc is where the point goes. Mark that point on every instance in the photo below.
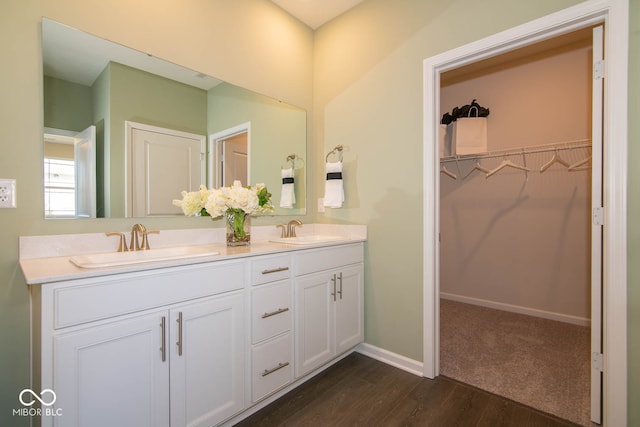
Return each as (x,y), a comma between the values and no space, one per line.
(390,358)
(580,321)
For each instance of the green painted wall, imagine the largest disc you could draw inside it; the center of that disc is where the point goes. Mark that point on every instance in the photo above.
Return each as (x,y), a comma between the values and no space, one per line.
(101,119)
(66,105)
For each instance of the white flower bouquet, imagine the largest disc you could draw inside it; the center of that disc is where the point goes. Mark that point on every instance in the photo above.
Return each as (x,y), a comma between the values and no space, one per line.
(235,203)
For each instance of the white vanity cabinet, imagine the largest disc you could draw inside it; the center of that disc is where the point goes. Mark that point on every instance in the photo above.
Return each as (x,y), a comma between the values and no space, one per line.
(329,299)
(157,348)
(194,344)
(271,325)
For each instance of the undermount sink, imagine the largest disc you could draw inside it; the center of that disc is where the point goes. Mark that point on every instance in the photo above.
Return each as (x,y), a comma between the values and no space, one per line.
(114,259)
(309,240)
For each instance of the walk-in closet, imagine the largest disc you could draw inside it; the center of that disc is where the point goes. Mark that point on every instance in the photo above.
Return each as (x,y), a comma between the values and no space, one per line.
(516,228)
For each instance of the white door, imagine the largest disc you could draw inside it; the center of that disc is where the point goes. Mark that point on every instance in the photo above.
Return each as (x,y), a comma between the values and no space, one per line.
(315,340)
(161,164)
(113,375)
(596,225)
(85,172)
(207,361)
(349,308)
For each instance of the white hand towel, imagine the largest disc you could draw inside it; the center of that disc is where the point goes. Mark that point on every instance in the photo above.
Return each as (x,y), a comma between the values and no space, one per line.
(288,195)
(333,188)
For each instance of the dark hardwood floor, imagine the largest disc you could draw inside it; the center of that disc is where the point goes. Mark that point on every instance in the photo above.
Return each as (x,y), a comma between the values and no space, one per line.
(360,391)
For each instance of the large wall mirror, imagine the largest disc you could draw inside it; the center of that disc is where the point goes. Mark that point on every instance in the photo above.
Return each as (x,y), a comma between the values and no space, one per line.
(125,132)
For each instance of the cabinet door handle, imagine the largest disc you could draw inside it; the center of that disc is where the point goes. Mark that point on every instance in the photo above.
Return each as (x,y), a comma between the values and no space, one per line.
(273,313)
(275,270)
(333,294)
(163,339)
(272,370)
(179,342)
(340,291)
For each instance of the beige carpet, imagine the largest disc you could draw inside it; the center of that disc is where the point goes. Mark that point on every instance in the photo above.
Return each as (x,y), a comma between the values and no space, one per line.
(538,362)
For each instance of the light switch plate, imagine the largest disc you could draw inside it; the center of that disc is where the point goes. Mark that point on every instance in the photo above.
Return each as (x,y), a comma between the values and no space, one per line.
(7,193)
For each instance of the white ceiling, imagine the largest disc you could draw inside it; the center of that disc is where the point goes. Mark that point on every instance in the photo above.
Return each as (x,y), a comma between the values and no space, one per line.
(314,13)
(72,55)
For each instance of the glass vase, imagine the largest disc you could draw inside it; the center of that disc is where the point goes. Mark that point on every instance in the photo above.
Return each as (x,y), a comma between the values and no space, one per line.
(238,228)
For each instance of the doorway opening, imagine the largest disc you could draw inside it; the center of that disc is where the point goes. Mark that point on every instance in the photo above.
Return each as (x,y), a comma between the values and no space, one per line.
(69,173)
(514,247)
(229,156)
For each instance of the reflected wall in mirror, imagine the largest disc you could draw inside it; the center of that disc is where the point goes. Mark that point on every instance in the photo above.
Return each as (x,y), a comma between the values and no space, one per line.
(91,83)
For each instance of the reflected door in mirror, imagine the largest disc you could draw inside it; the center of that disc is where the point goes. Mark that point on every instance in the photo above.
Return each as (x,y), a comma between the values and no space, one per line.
(163,163)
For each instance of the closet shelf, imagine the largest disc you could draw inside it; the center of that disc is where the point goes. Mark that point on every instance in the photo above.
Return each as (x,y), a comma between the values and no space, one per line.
(567,145)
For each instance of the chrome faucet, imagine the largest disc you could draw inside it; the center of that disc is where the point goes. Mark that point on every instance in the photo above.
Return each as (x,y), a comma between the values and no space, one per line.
(139,232)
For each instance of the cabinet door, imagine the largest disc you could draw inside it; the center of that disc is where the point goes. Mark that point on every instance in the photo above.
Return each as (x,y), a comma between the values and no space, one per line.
(314,321)
(113,374)
(349,308)
(207,361)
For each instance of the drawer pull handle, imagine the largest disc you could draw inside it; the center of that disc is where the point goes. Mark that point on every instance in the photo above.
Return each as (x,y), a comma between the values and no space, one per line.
(179,342)
(333,294)
(272,370)
(275,270)
(273,313)
(163,345)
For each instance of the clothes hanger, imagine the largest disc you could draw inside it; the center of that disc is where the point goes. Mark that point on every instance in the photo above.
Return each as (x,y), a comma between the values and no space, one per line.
(581,165)
(555,159)
(475,167)
(506,163)
(444,170)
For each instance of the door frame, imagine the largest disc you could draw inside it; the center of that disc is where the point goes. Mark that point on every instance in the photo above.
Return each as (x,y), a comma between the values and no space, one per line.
(214,157)
(614,13)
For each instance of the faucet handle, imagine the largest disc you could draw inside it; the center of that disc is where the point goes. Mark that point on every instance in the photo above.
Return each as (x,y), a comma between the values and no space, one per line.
(145,238)
(122,246)
(292,227)
(283,233)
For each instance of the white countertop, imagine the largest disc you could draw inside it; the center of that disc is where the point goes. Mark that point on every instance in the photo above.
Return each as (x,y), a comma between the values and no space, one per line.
(45,259)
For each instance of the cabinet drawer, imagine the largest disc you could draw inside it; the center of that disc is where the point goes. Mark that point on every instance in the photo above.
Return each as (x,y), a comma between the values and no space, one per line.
(272,366)
(270,269)
(270,310)
(90,299)
(324,259)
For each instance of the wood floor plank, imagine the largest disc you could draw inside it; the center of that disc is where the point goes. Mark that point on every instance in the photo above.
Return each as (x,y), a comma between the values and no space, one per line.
(361,391)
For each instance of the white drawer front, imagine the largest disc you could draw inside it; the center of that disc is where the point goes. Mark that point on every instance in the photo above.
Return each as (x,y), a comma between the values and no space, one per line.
(271,310)
(88,300)
(272,366)
(270,269)
(327,258)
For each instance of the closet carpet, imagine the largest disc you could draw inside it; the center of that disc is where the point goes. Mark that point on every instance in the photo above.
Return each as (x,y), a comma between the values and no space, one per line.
(538,362)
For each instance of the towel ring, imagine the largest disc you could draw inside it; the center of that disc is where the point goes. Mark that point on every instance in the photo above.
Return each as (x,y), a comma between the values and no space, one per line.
(338,148)
(292,158)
